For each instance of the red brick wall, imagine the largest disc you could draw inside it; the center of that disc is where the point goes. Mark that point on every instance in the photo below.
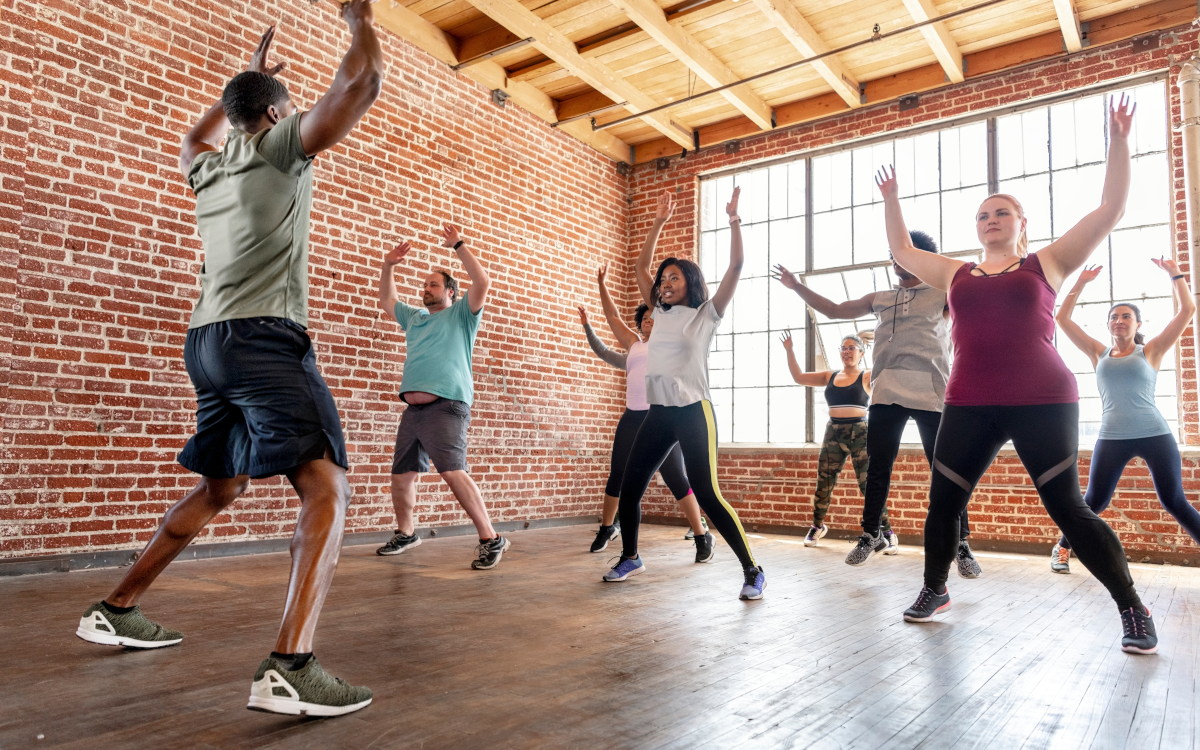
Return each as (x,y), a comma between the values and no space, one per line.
(100,258)
(774,487)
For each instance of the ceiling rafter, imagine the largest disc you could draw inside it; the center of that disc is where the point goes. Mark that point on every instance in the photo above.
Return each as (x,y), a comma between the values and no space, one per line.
(699,59)
(440,45)
(1068,21)
(938,37)
(552,43)
(784,16)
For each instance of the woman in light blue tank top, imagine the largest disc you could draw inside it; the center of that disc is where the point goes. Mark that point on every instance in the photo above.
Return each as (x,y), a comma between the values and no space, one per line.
(1131,425)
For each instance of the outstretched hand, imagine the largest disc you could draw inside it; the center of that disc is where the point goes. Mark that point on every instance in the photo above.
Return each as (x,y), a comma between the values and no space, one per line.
(731,208)
(786,340)
(787,278)
(258,61)
(887,182)
(358,11)
(1168,265)
(665,206)
(583,315)
(450,236)
(602,274)
(1089,274)
(397,253)
(1120,116)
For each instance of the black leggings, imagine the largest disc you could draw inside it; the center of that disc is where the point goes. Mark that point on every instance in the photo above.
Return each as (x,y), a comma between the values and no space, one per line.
(1046,437)
(885,428)
(694,428)
(671,468)
(1161,455)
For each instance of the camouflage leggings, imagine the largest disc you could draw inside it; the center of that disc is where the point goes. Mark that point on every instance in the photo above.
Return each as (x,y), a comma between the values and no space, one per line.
(841,441)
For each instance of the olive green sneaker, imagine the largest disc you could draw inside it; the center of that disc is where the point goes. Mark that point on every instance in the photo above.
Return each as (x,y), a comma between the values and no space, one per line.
(101,625)
(309,690)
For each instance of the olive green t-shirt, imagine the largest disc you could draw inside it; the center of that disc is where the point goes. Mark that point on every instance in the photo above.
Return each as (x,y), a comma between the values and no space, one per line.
(253,199)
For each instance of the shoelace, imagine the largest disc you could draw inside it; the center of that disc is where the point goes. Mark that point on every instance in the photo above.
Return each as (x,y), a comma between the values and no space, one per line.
(866,540)
(1134,625)
(923,598)
(752,576)
(1063,554)
(483,551)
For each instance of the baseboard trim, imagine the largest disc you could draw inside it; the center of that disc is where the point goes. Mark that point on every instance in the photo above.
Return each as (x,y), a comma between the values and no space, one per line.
(23,566)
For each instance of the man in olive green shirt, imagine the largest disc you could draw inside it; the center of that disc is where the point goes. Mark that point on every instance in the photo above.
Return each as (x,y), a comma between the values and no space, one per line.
(263,407)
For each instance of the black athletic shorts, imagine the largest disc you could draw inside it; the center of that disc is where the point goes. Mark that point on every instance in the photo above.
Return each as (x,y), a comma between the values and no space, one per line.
(263,408)
(436,430)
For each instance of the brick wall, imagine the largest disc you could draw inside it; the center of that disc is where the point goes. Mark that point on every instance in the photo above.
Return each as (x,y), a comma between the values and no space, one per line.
(772,487)
(100,262)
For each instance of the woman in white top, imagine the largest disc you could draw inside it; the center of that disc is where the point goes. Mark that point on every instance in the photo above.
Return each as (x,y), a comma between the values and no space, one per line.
(636,408)
(685,320)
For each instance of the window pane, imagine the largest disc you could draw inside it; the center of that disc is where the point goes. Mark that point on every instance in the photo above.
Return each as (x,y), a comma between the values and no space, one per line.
(786,310)
(796,187)
(870,236)
(780,374)
(924,213)
(754,200)
(708,253)
(1023,143)
(751,299)
(1077,132)
(720,362)
(750,359)
(1134,276)
(964,156)
(779,192)
(755,248)
(958,218)
(787,415)
(1149,201)
(829,286)
(860,283)
(832,237)
(750,415)
(1076,193)
(722,403)
(787,244)
(1150,125)
(866,161)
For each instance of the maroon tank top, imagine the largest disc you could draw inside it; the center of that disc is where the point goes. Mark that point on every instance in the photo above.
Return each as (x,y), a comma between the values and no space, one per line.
(1003,334)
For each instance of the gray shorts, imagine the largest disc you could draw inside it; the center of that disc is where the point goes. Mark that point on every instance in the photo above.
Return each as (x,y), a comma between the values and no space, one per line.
(435,431)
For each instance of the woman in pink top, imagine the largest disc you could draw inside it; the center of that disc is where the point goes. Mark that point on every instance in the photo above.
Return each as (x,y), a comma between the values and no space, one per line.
(1009,383)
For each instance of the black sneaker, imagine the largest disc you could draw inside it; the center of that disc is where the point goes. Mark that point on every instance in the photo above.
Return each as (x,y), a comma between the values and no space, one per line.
(489,553)
(399,543)
(1140,637)
(605,535)
(704,548)
(927,605)
(968,566)
(868,546)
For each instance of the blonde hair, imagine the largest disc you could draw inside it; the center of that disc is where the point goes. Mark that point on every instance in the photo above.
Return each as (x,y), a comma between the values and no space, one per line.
(1023,240)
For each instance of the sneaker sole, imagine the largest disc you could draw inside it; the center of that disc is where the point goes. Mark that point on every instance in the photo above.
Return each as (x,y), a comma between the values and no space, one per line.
(754,598)
(1059,570)
(712,555)
(970,577)
(476,566)
(298,708)
(892,550)
(634,572)
(1136,650)
(601,548)
(107,639)
(402,550)
(938,611)
(868,559)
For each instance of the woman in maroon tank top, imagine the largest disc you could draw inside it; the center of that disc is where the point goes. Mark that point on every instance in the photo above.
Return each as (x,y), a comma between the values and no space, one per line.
(1009,383)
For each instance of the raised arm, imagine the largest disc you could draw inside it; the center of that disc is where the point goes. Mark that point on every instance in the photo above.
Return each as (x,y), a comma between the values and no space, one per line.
(1066,254)
(642,267)
(815,379)
(387,278)
(210,129)
(855,308)
(616,359)
(624,334)
(729,281)
(1157,347)
(355,87)
(935,270)
(480,281)
(1086,344)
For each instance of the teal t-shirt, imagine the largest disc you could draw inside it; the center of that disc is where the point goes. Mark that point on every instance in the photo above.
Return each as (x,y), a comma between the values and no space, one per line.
(439,350)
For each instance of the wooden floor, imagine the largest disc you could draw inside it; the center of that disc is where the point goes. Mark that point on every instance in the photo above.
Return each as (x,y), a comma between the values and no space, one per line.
(540,654)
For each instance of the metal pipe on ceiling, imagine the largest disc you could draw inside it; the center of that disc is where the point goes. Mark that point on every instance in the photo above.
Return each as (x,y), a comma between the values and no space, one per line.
(806,61)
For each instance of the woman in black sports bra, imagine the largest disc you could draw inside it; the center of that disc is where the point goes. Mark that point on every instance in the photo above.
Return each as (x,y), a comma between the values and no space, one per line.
(848,394)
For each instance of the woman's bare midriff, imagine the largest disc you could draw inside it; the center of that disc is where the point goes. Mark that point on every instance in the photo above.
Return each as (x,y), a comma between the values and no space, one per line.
(842,412)
(418,397)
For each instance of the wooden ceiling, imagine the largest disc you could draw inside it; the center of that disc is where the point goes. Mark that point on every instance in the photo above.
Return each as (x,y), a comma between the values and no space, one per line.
(586,55)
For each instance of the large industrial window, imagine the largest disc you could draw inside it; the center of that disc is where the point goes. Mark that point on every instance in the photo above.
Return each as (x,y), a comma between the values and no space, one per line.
(821,216)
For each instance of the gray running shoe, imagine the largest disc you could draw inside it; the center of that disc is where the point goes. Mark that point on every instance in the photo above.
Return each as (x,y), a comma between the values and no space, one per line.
(968,566)
(101,625)
(867,547)
(488,554)
(704,548)
(1060,559)
(690,535)
(893,546)
(399,543)
(309,690)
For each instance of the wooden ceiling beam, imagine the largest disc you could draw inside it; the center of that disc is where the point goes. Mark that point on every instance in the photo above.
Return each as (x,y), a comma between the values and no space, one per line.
(937,36)
(581,104)
(784,16)
(699,59)
(484,42)
(552,43)
(424,35)
(1068,21)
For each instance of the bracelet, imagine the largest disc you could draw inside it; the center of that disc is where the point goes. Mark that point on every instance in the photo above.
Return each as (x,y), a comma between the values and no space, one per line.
(1180,276)
(734,218)
(459,244)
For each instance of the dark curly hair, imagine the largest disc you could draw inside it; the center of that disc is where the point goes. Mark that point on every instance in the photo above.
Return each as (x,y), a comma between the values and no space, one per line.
(248,95)
(697,290)
(922,241)
(639,315)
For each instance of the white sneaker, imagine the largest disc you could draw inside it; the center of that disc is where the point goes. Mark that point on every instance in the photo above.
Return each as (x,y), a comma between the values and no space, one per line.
(814,535)
(893,547)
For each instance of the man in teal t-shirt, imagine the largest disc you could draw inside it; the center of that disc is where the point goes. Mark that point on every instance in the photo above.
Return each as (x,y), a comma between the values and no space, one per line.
(438,388)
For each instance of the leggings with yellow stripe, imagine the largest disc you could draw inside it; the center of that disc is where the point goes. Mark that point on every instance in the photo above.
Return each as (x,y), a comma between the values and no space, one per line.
(695,429)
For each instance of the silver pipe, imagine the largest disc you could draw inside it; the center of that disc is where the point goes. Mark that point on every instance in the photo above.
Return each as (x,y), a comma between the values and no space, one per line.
(1189,104)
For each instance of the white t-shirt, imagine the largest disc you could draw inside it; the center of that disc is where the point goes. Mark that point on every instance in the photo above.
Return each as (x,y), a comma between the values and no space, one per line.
(635,378)
(677,370)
